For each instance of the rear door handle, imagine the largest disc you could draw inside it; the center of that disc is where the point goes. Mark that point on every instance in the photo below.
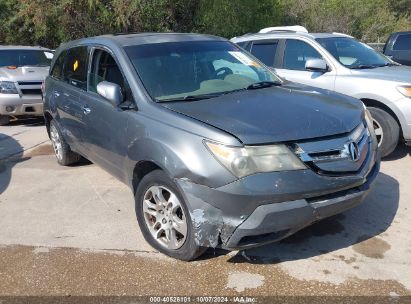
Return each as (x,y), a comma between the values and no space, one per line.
(86,110)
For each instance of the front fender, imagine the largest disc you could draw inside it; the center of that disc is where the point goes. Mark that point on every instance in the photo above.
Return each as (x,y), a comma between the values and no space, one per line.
(181,154)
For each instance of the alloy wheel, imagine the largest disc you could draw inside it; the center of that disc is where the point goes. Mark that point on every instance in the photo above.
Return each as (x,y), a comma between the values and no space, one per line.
(56,142)
(378,131)
(164,217)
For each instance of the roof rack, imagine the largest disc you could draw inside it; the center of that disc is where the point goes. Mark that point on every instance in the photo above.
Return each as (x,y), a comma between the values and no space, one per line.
(125,33)
(342,34)
(292,29)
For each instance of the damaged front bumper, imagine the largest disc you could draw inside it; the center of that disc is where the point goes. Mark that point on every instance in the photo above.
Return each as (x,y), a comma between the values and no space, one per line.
(268,207)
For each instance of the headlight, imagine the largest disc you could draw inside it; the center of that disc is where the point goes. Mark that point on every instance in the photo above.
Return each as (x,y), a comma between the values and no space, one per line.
(8,87)
(247,160)
(405,90)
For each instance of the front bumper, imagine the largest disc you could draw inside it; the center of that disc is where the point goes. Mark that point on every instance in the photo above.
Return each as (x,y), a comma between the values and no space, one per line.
(274,222)
(268,207)
(16,105)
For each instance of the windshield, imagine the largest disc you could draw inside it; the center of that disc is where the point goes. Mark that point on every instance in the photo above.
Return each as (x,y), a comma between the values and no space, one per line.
(353,54)
(196,68)
(25,58)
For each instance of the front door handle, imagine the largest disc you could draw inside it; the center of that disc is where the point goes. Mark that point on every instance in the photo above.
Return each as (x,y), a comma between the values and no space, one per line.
(86,110)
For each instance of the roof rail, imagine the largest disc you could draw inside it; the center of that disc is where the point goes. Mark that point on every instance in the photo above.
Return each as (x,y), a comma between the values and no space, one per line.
(342,34)
(293,28)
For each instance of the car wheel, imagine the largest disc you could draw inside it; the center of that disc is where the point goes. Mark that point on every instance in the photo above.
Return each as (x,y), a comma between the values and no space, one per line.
(386,129)
(164,219)
(61,149)
(4,120)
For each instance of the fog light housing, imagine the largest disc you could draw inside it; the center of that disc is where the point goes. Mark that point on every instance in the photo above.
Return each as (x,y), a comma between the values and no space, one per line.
(10,109)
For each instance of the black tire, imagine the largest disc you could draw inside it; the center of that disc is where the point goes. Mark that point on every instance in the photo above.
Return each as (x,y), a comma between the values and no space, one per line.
(189,250)
(4,120)
(390,130)
(68,157)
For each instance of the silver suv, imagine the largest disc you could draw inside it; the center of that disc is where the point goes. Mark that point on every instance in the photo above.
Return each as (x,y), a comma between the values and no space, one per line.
(340,63)
(22,71)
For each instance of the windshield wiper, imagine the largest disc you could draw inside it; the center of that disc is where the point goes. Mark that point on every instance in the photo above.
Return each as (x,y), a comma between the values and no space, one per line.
(388,64)
(364,66)
(253,86)
(189,98)
(262,84)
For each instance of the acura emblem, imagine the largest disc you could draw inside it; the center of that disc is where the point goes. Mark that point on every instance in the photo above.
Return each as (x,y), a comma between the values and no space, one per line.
(353,150)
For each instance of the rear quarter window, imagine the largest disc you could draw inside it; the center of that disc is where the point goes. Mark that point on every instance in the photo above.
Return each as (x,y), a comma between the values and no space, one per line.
(57,69)
(402,43)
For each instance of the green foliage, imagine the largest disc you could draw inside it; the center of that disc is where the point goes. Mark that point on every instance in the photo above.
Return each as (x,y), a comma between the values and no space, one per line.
(233,18)
(48,23)
(368,20)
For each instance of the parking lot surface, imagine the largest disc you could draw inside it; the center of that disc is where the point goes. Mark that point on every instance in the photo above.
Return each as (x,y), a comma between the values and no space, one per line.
(72,231)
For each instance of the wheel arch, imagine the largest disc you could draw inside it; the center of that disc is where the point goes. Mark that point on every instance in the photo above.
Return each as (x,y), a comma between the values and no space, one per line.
(47,120)
(141,169)
(369,102)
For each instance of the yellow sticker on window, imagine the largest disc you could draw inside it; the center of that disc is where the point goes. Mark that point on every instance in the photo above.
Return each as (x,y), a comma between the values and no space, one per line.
(75,65)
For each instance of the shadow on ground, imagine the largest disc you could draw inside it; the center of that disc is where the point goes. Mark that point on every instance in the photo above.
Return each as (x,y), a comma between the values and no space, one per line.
(369,219)
(11,152)
(401,152)
(27,121)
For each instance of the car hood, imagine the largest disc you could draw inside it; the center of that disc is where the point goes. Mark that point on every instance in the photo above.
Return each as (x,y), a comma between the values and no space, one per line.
(400,73)
(23,73)
(277,114)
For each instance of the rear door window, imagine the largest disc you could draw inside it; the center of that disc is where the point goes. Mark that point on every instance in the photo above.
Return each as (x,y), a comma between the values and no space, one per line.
(265,51)
(402,43)
(297,53)
(75,68)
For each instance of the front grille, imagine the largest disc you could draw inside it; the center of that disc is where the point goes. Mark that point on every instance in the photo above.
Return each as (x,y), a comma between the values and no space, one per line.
(339,155)
(31,91)
(29,83)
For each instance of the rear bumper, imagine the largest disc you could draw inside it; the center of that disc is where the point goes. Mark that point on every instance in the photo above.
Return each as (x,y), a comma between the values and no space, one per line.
(15,105)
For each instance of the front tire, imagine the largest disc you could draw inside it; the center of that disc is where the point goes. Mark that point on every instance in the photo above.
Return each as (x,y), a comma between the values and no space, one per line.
(64,155)
(164,218)
(4,120)
(386,129)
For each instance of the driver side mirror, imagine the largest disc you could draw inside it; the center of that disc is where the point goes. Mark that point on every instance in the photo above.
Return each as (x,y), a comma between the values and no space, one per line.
(111,91)
(316,65)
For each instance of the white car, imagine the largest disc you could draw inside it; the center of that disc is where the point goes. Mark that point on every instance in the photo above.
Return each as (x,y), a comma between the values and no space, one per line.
(22,71)
(341,63)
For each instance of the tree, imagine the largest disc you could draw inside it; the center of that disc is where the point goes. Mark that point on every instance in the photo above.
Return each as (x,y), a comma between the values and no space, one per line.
(368,20)
(233,18)
(48,23)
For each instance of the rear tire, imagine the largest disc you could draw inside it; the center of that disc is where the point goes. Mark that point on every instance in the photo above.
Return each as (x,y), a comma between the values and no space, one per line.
(386,129)
(64,155)
(4,120)
(158,202)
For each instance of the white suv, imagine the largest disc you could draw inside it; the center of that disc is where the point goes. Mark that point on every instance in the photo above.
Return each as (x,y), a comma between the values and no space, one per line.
(340,63)
(22,71)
